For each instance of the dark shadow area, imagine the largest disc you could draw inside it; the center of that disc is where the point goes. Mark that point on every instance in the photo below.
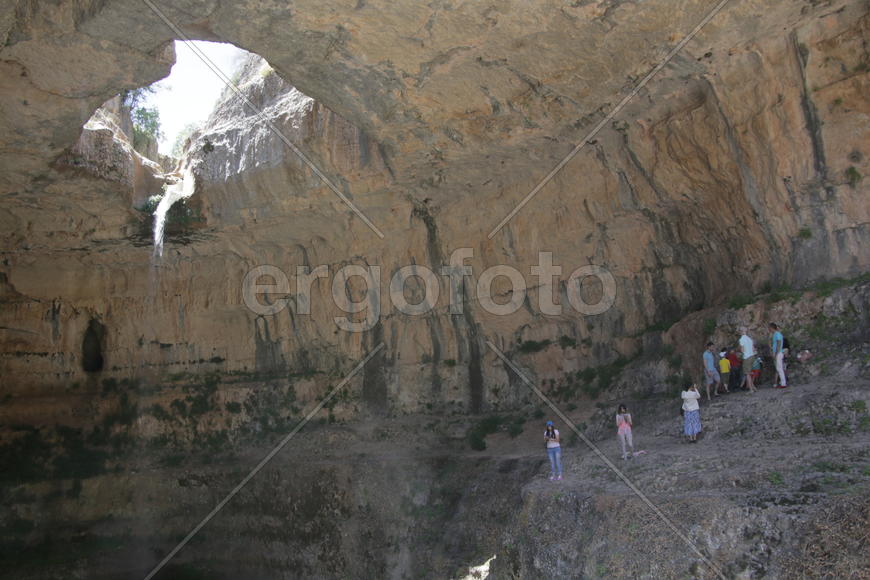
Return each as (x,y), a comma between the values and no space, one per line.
(92,347)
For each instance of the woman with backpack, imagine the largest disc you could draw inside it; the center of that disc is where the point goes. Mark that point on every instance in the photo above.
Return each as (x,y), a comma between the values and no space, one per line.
(623,431)
(554,451)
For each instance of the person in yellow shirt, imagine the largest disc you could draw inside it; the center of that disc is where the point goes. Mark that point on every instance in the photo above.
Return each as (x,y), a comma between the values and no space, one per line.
(724,369)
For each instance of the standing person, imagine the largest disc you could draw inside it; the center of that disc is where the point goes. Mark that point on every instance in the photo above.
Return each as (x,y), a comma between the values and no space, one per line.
(691,413)
(724,370)
(756,370)
(623,431)
(711,375)
(747,346)
(777,350)
(736,374)
(554,451)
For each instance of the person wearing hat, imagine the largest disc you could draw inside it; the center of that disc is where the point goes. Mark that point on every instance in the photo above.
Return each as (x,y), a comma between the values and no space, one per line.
(724,369)
(554,451)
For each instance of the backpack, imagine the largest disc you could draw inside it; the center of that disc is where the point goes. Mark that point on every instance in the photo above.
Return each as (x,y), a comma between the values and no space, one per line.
(785,343)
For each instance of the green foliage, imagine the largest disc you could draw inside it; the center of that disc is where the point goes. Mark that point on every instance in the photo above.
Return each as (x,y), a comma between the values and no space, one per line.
(133,98)
(486,426)
(476,441)
(830,466)
(675,361)
(662,326)
(450,362)
(858,406)
(826,287)
(150,204)
(819,329)
(146,127)
(709,326)
(567,342)
(805,233)
(829,426)
(607,373)
(775,478)
(782,293)
(233,407)
(853,176)
(529,346)
(739,301)
(515,427)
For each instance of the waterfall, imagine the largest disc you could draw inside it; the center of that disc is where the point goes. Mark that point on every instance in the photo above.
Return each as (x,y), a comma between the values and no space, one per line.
(177,191)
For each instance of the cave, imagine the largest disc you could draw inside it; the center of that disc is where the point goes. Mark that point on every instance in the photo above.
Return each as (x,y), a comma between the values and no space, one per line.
(92,347)
(397,241)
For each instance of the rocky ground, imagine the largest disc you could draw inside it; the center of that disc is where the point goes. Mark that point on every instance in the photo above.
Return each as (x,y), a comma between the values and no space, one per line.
(776,487)
(749,495)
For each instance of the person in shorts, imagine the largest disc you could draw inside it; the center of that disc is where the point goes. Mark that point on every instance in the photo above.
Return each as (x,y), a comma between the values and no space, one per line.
(724,370)
(711,375)
(747,347)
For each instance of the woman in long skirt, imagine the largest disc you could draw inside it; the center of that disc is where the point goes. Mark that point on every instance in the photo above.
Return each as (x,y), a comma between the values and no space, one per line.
(691,413)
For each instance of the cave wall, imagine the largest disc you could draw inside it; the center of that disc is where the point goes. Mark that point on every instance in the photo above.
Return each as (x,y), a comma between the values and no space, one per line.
(728,172)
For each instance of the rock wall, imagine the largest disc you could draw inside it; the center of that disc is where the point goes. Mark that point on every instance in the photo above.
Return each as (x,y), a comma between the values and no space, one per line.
(741,165)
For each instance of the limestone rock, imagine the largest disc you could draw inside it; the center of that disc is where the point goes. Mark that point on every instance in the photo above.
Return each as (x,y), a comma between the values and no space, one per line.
(740,165)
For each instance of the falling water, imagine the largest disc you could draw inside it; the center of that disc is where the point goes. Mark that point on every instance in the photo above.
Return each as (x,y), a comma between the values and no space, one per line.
(177,191)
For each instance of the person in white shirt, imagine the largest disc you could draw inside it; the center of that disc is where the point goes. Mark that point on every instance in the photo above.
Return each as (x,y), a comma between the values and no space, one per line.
(554,451)
(747,347)
(691,413)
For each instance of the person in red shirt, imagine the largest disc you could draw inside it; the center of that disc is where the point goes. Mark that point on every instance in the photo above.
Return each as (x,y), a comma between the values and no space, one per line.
(736,368)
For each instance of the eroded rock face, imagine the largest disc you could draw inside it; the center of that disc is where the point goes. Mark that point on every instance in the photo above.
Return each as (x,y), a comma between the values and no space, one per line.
(733,168)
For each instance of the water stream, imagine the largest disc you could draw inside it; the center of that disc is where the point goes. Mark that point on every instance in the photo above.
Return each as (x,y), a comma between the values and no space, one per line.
(175,192)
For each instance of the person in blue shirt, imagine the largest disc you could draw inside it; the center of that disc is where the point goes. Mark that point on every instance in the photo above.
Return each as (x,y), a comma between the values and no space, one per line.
(710,373)
(777,352)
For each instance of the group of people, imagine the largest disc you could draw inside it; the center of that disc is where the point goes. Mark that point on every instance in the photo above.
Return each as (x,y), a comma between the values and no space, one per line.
(740,368)
(733,369)
(737,368)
